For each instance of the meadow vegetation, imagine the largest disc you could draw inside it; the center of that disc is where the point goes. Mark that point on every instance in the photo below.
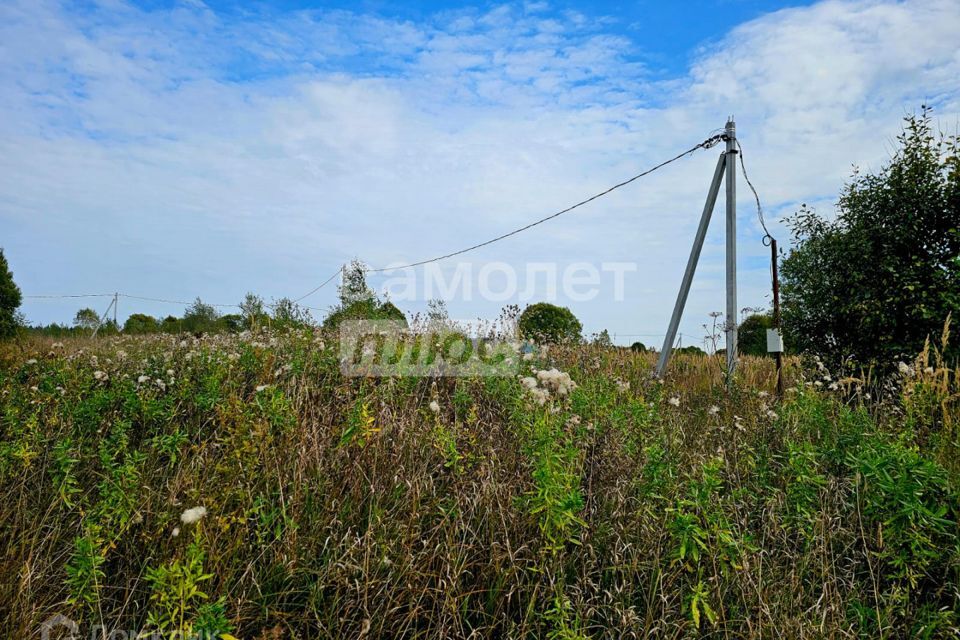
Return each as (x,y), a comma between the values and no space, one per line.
(239,484)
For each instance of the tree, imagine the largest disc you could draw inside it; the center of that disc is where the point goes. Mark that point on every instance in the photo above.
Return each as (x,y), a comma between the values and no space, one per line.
(691,349)
(752,334)
(638,347)
(140,323)
(389,311)
(602,339)
(877,281)
(359,302)
(253,311)
(10,299)
(354,286)
(86,319)
(171,324)
(232,322)
(548,323)
(287,313)
(200,317)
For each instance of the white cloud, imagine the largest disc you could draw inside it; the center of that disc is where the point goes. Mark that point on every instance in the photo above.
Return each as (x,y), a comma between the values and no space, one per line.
(180,153)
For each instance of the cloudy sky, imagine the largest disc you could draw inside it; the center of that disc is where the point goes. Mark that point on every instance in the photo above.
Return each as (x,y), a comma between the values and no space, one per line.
(182,149)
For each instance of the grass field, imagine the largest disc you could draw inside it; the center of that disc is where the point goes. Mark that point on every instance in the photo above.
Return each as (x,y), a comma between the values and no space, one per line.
(242,486)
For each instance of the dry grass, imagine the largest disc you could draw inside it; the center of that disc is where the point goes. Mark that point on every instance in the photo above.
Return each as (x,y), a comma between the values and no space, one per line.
(347,508)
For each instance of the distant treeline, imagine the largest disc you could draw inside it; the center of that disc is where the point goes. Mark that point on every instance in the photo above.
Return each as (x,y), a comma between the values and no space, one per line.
(199,317)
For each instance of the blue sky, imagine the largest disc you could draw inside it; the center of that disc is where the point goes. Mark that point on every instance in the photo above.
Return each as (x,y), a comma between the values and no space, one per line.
(183,149)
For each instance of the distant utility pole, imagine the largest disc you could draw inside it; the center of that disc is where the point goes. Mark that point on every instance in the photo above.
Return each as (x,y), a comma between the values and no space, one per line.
(115,296)
(103,318)
(725,171)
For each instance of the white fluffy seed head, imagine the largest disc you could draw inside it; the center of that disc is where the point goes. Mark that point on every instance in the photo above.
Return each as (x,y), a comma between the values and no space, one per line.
(192,515)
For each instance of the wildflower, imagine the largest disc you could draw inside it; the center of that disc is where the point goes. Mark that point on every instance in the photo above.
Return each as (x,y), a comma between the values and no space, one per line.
(170,372)
(434,406)
(261,387)
(772,414)
(32,361)
(675,401)
(193,515)
(833,386)
(928,370)
(558,381)
(762,394)
(143,379)
(175,532)
(817,384)
(161,384)
(528,383)
(528,356)
(622,386)
(540,396)
(57,345)
(714,410)
(100,375)
(905,369)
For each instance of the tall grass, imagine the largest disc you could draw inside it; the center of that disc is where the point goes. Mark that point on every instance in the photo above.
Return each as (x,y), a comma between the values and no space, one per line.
(348,507)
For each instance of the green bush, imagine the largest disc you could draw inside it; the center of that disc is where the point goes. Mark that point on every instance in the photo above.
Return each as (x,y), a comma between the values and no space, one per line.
(549,324)
(752,334)
(883,276)
(140,323)
(359,302)
(200,317)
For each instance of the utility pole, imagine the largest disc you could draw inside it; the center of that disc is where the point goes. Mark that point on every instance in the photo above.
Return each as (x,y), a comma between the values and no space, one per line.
(731,183)
(726,171)
(778,354)
(115,296)
(712,193)
(103,318)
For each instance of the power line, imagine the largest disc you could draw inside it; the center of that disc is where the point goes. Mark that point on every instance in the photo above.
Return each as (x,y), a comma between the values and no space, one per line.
(756,197)
(74,295)
(183,302)
(317,288)
(706,144)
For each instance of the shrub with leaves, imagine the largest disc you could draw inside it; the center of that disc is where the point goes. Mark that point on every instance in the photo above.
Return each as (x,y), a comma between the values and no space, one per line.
(881,278)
